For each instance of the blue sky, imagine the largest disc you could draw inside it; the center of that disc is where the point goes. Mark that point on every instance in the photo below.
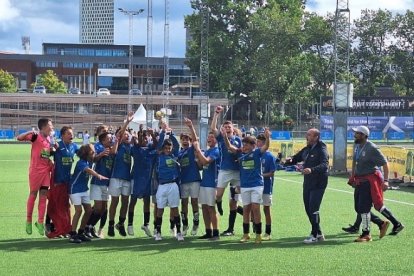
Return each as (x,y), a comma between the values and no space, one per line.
(57,21)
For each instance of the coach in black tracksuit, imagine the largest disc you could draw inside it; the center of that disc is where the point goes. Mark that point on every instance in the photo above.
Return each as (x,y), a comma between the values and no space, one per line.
(315,170)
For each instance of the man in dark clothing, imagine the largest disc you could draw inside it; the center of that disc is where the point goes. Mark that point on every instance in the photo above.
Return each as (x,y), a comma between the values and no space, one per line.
(315,171)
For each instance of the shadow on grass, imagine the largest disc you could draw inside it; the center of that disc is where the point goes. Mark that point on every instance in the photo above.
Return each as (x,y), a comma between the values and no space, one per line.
(167,244)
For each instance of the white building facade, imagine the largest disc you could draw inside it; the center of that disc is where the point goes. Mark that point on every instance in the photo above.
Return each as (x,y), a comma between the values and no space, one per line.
(96,24)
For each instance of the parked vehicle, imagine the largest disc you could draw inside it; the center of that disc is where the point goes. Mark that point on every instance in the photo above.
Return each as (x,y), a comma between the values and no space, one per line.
(74,90)
(103,92)
(22,90)
(135,91)
(40,89)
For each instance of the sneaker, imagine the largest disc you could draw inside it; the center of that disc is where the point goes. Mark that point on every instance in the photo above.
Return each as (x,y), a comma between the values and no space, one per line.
(214,238)
(88,232)
(83,238)
(173,232)
(194,230)
(40,227)
(384,228)
(29,228)
(74,239)
(185,230)
(311,239)
(93,233)
(320,237)
(266,237)
(245,238)
(351,229)
(111,231)
(48,229)
(158,237)
(364,238)
(258,238)
(100,233)
(205,237)
(227,233)
(180,237)
(130,230)
(146,230)
(397,229)
(121,229)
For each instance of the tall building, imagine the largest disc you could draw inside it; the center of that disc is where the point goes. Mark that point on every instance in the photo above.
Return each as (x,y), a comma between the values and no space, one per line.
(96,24)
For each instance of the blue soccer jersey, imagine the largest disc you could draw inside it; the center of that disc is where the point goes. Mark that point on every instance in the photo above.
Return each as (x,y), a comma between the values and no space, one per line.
(189,169)
(103,167)
(228,159)
(144,160)
(80,178)
(210,171)
(251,169)
(63,161)
(122,162)
(268,165)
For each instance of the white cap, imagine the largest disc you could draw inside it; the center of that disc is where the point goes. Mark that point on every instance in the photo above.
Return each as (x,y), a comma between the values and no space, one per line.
(362,129)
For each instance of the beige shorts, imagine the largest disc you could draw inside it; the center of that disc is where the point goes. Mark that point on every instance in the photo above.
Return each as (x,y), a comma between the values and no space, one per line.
(252,195)
(207,196)
(226,177)
(80,198)
(99,192)
(191,189)
(267,200)
(119,187)
(168,196)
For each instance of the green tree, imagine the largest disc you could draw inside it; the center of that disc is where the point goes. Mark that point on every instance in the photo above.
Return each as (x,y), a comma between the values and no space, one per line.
(7,82)
(52,82)
(402,53)
(372,32)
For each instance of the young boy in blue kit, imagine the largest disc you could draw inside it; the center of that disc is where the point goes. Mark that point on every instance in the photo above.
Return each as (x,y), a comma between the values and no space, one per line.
(144,155)
(168,193)
(251,181)
(78,192)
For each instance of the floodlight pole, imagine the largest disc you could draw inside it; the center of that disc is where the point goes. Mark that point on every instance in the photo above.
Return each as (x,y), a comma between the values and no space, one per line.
(130,15)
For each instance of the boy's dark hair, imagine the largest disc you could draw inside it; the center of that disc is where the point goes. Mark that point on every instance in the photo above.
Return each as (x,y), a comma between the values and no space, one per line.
(43,122)
(102,136)
(167,142)
(64,129)
(250,140)
(261,137)
(84,151)
(99,129)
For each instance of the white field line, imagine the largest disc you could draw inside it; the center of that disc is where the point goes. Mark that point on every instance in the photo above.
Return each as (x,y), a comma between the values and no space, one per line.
(347,192)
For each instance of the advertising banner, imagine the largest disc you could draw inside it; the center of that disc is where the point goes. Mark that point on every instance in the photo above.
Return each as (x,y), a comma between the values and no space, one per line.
(396,127)
(374,104)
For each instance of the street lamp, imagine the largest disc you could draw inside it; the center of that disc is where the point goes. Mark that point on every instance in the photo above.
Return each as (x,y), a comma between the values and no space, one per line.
(130,15)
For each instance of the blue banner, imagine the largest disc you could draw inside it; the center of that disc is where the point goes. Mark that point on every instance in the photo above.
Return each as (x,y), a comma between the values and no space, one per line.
(394,128)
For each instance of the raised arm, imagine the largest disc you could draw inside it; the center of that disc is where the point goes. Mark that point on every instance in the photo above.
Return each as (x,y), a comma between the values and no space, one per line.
(190,125)
(201,159)
(265,147)
(128,119)
(213,126)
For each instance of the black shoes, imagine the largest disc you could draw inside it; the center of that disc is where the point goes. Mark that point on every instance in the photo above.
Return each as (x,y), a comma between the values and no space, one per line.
(351,229)
(111,231)
(397,229)
(227,233)
(121,229)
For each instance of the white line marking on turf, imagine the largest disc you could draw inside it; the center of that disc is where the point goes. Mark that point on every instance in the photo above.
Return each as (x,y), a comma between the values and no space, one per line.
(348,192)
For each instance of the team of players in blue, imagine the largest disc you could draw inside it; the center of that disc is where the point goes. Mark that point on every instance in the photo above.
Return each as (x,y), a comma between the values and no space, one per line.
(147,165)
